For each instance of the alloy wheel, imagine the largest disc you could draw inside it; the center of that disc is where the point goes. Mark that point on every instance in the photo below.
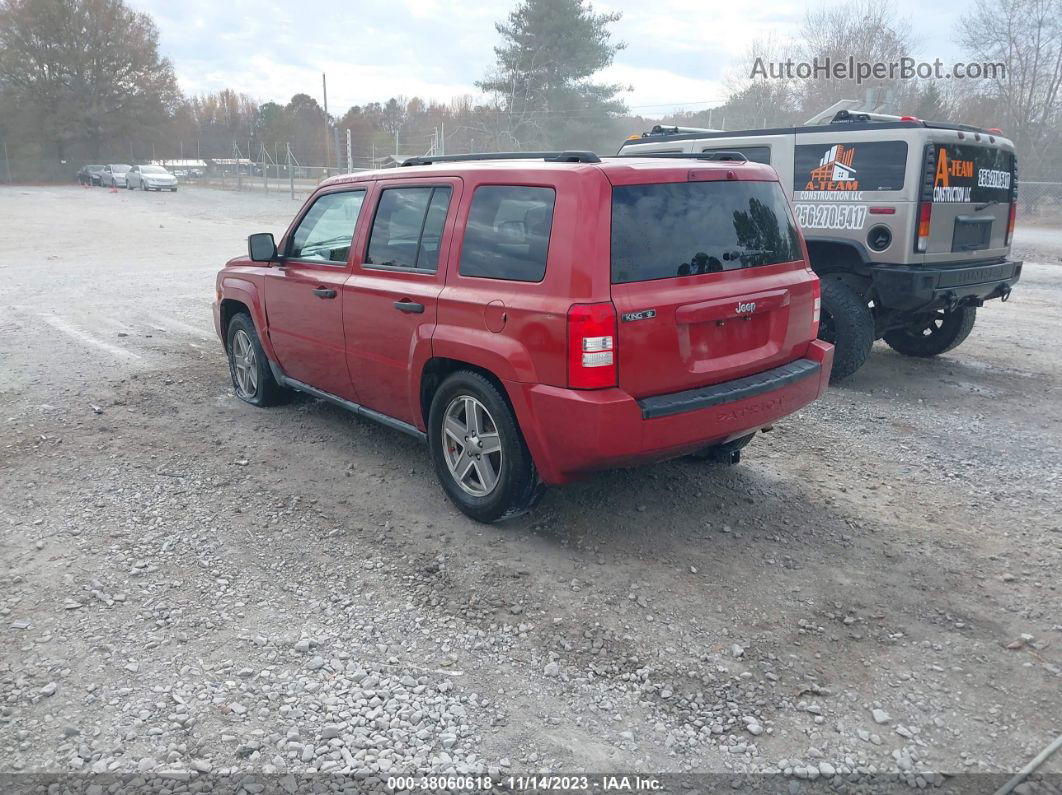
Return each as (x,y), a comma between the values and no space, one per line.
(471,446)
(245,364)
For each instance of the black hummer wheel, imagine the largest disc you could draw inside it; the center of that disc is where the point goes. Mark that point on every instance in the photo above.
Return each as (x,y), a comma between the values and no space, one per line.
(479,454)
(846,323)
(934,334)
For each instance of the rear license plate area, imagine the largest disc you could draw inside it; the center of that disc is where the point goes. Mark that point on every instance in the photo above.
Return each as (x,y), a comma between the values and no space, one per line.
(971,234)
(713,339)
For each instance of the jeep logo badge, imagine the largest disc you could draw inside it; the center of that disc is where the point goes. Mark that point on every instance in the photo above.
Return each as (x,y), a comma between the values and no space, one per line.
(748,308)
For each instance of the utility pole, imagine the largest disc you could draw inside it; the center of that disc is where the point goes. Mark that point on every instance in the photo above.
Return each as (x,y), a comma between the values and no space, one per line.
(7,163)
(324,86)
(442,138)
(291,174)
(350,154)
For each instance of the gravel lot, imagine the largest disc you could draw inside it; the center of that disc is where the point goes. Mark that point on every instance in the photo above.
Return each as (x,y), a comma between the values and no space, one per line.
(193,587)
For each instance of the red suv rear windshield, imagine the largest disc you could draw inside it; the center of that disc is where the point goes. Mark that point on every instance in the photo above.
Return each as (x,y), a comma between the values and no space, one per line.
(686,228)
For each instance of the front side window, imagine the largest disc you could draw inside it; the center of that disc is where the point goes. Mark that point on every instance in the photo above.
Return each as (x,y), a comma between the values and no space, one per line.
(326,231)
(690,228)
(408,227)
(508,231)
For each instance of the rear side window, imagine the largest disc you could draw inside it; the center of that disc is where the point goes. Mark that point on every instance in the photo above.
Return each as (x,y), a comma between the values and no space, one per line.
(407,229)
(507,236)
(754,154)
(688,228)
(838,169)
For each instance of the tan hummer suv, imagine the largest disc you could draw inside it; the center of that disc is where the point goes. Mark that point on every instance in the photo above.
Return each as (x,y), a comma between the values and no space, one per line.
(908,222)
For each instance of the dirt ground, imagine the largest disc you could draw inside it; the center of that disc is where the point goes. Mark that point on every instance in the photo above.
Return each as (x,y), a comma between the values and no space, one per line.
(191,586)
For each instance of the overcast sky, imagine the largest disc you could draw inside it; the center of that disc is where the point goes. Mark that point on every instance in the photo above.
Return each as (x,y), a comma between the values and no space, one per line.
(677,51)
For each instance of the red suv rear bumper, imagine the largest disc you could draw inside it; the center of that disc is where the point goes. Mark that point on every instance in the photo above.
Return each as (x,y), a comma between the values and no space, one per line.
(571,431)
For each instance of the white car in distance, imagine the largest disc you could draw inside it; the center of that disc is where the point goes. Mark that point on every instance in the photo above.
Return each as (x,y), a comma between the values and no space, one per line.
(150,178)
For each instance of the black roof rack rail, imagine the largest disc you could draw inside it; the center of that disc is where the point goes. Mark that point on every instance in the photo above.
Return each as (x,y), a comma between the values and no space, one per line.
(552,157)
(671,129)
(736,157)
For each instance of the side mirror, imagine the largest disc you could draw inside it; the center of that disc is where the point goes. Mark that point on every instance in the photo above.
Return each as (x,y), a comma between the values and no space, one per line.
(261,247)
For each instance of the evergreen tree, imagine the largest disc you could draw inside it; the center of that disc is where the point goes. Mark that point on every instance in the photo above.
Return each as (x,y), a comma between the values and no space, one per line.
(542,88)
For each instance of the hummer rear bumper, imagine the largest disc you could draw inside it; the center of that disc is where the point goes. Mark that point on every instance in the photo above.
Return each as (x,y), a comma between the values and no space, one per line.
(917,287)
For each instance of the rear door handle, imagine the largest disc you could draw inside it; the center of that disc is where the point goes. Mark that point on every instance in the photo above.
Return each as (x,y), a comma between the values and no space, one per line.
(409,306)
(324,292)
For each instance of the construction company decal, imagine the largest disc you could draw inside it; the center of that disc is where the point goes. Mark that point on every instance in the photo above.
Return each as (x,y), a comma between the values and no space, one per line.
(965,174)
(831,216)
(843,171)
(834,171)
(951,174)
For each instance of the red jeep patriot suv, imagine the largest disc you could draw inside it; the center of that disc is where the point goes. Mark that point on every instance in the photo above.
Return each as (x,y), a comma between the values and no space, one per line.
(536,316)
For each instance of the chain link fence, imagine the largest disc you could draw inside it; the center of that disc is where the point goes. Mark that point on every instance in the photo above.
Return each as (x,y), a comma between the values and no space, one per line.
(1040,202)
(295,180)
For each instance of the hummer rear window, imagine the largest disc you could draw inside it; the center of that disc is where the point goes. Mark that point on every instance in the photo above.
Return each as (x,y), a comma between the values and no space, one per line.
(688,228)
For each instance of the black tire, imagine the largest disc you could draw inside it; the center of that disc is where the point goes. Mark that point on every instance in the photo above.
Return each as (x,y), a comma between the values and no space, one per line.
(726,453)
(934,334)
(846,323)
(266,391)
(517,488)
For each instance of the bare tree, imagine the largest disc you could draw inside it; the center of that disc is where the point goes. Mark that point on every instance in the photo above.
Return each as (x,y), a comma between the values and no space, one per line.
(754,101)
(1025,36)
(83,69)
(867,31)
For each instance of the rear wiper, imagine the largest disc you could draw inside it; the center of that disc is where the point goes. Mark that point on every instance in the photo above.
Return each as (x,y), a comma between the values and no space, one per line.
(750,254)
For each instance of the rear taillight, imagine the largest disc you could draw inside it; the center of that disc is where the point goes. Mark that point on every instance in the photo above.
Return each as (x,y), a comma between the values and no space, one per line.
(592,346)
(1013,202)
(925,215)
(925,208)
(816,308)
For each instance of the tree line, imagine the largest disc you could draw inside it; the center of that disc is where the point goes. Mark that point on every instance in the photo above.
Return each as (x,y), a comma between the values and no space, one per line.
(68,96)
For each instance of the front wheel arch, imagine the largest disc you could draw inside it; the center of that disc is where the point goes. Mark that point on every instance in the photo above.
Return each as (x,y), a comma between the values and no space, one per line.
(230,307)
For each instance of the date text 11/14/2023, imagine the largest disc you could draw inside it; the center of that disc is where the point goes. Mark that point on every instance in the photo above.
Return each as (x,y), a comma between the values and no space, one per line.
(577,783)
